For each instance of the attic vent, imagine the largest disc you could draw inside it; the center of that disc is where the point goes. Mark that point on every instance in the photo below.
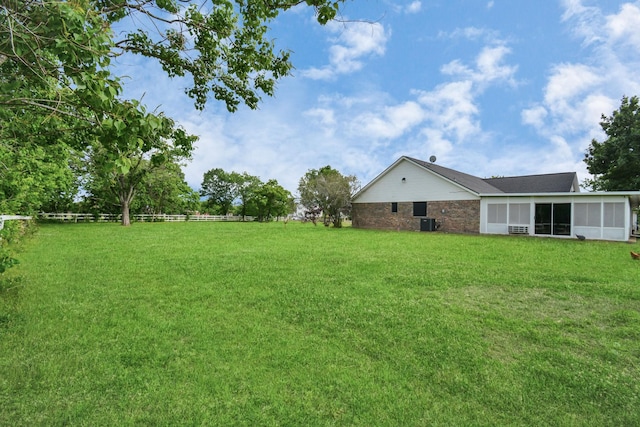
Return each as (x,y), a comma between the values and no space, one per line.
(518,229)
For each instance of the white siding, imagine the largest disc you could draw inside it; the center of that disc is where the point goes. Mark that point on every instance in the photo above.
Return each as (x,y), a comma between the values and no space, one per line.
(419,185)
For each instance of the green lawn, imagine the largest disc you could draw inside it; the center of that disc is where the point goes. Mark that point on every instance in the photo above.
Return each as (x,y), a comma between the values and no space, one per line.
(262,324)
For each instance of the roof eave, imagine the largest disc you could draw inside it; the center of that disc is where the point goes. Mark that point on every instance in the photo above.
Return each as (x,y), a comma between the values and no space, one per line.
(634,196)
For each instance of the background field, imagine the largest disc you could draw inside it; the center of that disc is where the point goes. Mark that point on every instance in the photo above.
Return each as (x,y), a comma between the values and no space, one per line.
(262,324)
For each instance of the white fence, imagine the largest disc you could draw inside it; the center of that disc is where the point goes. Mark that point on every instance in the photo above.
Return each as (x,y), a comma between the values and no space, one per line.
(84,217)
(4,218)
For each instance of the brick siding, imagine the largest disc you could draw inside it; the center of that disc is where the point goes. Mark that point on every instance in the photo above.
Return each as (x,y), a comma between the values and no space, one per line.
(457,216)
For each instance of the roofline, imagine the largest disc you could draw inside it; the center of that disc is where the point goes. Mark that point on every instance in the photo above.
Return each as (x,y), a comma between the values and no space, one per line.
(380,175)
(565,193)
(634,196)
(531,175)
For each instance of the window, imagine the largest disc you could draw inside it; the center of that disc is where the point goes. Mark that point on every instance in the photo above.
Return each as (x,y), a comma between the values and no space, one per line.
(419,208)
(614,215)
(519,213)
(497,213)
(586,214)
(394,207)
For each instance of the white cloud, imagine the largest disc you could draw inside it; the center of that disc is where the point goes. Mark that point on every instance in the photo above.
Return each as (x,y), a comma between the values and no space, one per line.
(489,64)
(323,115)
(451,109)
(577,94)
(568,81)
(535,116)
(391,122)
(572,97)
(584,20)
(623,27)
(414,7)
(474,34)
(456,68)
(489,67)
(352,44)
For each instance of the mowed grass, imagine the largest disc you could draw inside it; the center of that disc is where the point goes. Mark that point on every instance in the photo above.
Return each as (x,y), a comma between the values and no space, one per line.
(266,324)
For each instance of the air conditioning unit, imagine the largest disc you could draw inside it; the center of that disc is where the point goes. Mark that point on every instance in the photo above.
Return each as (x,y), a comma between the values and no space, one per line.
(518,229)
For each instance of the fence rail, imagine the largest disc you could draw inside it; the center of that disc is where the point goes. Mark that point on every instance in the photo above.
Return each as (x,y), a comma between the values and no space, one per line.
(85,217)
(4,218)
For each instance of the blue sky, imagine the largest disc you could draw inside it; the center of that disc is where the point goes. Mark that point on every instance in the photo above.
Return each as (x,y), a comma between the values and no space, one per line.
(490,87)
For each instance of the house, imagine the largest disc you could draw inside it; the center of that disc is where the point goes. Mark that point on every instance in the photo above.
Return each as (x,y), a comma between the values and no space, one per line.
(412,194)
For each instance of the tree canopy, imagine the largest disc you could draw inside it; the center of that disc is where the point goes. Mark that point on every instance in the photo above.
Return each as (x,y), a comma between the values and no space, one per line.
(326,189)
(60,98)
(615,162)
(62,49)
(133,143)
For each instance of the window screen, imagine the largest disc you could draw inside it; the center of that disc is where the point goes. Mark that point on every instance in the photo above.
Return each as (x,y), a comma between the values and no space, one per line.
(614,215)
(586,214)
(419,208)
(497,213)
(519,213)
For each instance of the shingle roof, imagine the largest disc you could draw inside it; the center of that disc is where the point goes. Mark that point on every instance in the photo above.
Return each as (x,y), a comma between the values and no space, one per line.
(546,183)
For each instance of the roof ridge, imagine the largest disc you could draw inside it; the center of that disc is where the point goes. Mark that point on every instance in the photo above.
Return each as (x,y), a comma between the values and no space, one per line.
(531,175)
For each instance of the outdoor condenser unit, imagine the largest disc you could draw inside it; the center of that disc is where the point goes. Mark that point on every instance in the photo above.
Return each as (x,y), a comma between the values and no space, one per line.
(427,224)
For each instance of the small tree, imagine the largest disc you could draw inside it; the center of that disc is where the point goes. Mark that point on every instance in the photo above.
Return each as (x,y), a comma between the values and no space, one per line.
(328,190)
(615,162)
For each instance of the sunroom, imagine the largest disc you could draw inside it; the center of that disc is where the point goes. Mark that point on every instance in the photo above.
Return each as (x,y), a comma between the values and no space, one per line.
(600,216)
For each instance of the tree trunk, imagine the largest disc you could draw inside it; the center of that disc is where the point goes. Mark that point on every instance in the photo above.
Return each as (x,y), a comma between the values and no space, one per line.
(126,220)
(125,194)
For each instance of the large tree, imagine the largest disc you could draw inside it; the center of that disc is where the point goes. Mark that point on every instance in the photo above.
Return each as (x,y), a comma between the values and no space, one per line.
(163,190)
(326,189)
(615,162)
(130,143)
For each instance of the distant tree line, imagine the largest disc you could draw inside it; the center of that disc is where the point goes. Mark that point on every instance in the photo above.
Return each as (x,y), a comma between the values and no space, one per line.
(244,195)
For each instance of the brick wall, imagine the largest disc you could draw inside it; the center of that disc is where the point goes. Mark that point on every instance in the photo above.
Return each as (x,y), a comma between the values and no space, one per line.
(458,216)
